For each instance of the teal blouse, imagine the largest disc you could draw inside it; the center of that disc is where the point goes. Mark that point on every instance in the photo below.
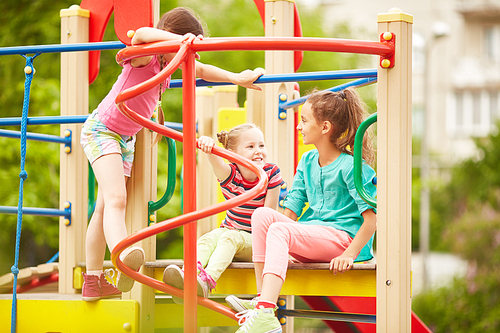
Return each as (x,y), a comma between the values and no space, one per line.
(331,194)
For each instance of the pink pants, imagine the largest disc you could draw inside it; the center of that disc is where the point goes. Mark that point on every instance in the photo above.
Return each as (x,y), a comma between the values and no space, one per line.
(275,237)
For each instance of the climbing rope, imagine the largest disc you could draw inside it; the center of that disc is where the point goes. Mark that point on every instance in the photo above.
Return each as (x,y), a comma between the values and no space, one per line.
(29,71)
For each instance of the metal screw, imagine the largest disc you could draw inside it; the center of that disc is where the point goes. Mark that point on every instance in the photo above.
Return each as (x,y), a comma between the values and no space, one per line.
(388,282)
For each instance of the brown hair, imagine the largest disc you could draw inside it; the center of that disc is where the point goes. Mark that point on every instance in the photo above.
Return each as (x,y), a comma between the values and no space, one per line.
(180,21)
(345,110)
(231,139)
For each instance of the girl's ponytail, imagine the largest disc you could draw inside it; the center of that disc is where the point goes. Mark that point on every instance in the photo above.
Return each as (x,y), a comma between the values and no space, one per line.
(356,109)
(223,138)
(230,140)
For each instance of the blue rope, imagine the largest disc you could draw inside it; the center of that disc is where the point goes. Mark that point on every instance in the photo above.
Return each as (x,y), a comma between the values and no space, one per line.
(23,175)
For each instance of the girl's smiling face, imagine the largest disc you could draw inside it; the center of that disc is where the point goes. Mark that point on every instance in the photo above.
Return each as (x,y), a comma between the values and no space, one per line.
(308,126)
(251,145)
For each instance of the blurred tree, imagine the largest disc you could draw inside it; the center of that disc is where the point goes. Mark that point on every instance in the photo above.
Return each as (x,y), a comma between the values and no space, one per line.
(468,208)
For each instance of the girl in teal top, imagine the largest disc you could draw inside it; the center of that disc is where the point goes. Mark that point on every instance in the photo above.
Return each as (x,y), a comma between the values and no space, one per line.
(338,226)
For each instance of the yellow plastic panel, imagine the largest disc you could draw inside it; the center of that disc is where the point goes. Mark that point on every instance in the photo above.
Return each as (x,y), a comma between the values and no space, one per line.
(171,315)
(301,146)
(304,282)
(37,315)
(228,118)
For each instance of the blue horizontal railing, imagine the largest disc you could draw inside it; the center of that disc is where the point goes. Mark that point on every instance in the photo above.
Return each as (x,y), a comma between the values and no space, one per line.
(58,48)
(36,137)
(294,77)
(356,83)
(36,211)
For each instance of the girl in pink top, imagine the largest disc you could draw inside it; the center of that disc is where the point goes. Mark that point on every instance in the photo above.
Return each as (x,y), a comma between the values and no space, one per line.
(108,139)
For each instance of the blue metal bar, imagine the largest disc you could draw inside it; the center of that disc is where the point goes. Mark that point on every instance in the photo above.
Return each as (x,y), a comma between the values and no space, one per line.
(294,77)
(54,258)
(36,211)
(35,136)
(327,315)
(56,120)
(57,48)
(303,99)
(48,120)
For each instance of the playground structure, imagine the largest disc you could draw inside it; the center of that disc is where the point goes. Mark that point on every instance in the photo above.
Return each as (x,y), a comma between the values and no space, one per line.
(392,283)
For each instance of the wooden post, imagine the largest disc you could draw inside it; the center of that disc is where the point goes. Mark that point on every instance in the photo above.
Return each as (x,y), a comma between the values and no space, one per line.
(394,179)
(142,188)
(278,133)
(208,103)
(73,186)
(206,186)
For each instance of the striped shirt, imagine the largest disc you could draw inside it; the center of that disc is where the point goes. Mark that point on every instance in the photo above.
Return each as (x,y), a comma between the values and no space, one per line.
(235,184)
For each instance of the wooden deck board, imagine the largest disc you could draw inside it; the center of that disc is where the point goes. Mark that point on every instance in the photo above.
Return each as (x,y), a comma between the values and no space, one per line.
(249,265)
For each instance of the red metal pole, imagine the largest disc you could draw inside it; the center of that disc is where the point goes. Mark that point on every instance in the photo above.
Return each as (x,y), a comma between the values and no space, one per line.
(189,194)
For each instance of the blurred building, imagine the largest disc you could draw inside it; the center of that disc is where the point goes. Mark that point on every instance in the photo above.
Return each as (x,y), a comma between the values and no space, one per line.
(456,65)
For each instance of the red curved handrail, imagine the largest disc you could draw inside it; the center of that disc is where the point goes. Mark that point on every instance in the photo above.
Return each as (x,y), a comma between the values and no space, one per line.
(188,217)
(263,43)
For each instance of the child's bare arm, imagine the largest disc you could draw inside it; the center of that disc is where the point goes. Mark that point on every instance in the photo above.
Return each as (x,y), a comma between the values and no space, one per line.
(345,261)
(149,35)
(272,198)
(216,74)
(220,168)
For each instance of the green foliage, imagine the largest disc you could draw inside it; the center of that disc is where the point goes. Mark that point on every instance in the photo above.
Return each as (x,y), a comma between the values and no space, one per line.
(455,309)
(468,209)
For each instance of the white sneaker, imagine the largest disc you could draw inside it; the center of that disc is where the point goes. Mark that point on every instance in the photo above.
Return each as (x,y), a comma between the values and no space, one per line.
(174,276)
(239,304)
(134,258)
(258,321)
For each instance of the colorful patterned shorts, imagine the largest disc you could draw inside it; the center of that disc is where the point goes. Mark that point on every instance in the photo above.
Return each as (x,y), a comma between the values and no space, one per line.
(97,140)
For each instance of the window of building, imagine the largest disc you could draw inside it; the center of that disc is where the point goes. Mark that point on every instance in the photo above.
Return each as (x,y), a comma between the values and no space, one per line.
(491,39)
(493,106)
(472,112)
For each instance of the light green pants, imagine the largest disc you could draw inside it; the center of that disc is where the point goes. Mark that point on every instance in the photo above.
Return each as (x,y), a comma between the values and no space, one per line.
(219,247)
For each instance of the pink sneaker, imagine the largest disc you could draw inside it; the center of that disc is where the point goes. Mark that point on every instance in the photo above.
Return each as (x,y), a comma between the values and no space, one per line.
(97,287)
(134,258)
(205,282)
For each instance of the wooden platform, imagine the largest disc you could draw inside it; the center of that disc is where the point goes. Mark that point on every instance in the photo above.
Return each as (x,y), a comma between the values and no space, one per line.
(37,309)
(310,279)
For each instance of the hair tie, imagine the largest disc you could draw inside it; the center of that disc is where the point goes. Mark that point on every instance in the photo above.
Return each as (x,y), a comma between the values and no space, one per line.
(343,95)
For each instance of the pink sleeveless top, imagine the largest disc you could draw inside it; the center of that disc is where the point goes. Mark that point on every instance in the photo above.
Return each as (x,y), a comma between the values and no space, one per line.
(143,104)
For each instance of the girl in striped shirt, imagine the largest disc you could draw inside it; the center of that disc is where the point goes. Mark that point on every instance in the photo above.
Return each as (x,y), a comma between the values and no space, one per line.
(233,240)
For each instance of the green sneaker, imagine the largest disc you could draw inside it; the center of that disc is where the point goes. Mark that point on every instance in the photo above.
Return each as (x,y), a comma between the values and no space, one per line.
(239,304)
(258,321)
